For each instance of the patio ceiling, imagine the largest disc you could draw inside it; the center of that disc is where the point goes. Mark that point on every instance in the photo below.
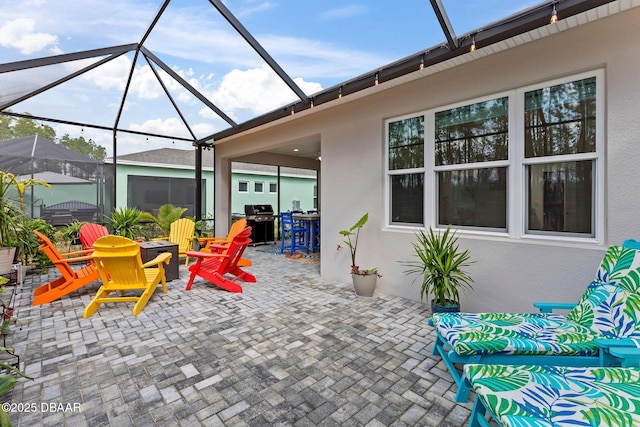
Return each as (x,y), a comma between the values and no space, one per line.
(453,46)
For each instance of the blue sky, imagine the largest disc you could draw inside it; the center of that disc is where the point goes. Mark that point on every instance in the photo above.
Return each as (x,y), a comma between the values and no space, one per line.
(318,43)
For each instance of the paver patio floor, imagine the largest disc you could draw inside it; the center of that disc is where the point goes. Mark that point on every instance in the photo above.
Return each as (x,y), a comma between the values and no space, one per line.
(292,349)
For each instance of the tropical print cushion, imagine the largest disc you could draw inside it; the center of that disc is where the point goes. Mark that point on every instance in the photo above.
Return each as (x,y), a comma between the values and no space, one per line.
(609,308)
(611,305)
(621,266)
(552,396)
(611,311)
(510,333)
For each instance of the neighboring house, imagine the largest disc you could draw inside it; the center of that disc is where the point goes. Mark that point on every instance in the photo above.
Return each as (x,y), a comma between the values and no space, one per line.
(254,184)
(529,147)
(149,179)
(75,179)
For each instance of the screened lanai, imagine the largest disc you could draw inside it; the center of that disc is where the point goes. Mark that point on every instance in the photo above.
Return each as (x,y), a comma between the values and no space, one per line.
(172,81)
(78,179)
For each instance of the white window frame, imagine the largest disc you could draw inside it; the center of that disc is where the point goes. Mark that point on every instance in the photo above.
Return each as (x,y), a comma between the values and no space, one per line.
(246,183)
(392,172)
(255,190)
(597,156)
(276,190)
(432,169)
(517,163)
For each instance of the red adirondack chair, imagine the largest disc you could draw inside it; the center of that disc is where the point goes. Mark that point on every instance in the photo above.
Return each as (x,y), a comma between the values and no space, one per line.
(223,260)
(70,279)
(90,232)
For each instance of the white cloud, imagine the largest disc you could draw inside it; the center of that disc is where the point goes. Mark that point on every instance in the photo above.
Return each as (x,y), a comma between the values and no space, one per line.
(19,34)
(170,126)
(344,12)
(261,7)
(111,75)
(258,90)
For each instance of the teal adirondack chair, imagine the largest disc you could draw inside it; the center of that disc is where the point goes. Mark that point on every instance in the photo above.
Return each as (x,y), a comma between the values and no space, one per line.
(606,316)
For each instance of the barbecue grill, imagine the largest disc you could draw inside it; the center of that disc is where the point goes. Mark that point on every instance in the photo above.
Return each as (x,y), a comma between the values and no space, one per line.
(261,219)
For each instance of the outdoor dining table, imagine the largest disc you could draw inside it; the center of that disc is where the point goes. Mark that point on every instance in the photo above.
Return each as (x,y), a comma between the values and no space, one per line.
(312,225)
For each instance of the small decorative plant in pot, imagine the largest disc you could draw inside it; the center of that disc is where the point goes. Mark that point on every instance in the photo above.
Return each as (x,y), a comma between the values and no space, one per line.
(364,280)
(442,266)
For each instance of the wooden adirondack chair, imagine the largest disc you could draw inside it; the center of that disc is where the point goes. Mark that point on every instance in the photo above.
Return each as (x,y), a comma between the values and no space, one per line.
(121,269)
(90,232)
(70,279)
(182,233)
(213,266)
(235,229)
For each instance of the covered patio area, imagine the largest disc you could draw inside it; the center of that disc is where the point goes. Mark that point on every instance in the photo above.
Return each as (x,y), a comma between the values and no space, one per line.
(292,349)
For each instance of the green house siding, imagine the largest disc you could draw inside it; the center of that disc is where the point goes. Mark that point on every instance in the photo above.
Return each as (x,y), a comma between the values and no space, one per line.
(59,193)
(133,189)
(291,188)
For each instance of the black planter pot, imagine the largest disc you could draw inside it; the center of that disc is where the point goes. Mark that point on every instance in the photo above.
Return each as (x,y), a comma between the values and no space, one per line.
(451,307)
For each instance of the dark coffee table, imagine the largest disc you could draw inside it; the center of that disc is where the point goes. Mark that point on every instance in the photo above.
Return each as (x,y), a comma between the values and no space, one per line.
(150,250)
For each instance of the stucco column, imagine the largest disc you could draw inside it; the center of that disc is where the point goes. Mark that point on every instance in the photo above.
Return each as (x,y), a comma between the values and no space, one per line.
(222,202)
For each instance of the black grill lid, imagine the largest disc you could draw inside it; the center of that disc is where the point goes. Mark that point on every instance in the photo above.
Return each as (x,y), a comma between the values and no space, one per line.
(258,210)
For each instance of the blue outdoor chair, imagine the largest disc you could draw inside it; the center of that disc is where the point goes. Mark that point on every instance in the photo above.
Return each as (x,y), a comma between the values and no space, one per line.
(297,234)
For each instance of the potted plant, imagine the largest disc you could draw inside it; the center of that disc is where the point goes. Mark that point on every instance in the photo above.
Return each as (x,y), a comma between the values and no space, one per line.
(10,220)
(125,222)
(364,280)
(13,217)
(70,233)
(441,264)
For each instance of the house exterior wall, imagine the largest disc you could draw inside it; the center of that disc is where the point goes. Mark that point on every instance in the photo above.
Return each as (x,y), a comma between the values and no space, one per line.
(291,188)
(59,193)
(124,170)
(509,273)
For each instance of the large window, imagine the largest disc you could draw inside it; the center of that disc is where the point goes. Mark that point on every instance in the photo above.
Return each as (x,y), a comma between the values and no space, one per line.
(471,158)
(560,157)
(405,145)
(148,193)
(527,162)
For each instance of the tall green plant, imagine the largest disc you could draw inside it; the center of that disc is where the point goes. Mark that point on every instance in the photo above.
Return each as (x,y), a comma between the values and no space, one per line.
(71,232)
(125,222)
(30,243)
(10,214)
(22,185)
(352,236)
(168,214)
(441,264)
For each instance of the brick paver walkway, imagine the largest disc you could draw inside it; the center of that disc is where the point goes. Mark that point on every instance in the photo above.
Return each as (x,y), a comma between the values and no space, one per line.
(292,349)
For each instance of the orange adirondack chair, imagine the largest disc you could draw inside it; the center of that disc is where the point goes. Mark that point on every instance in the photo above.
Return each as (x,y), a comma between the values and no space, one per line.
(120,266)
(70,279)
(181,232)
(90,232)
(213,266)
(235,229)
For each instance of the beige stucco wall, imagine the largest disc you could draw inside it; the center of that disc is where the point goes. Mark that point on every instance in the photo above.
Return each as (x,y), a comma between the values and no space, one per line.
(509,273)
